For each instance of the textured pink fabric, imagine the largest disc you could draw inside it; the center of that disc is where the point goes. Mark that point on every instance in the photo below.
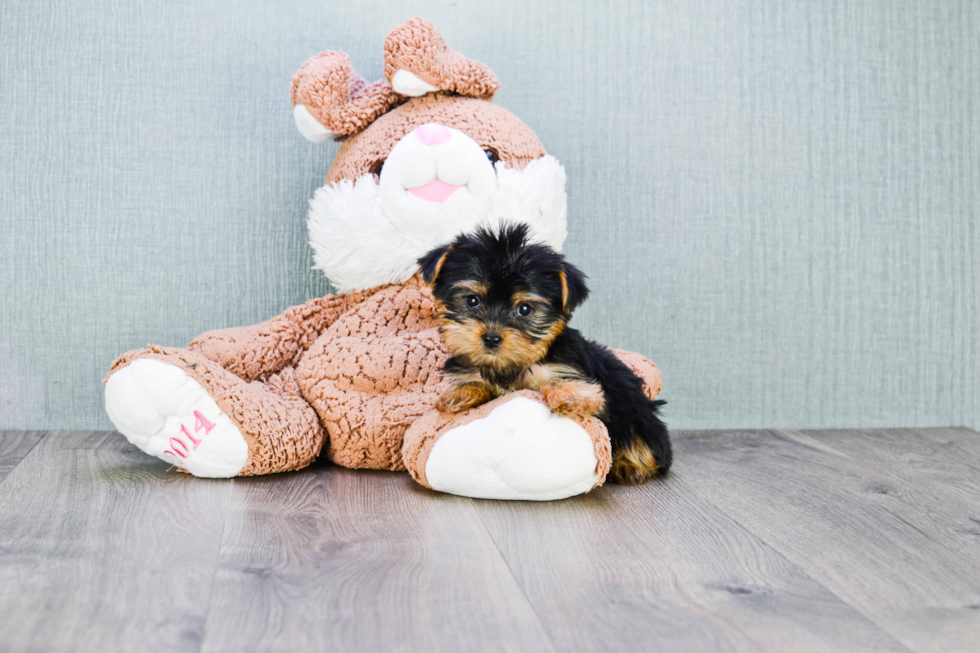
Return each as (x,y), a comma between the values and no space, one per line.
(358,386)
(416,46)
(280,427)
(374,372)
(339,98)
(257,351)
(643,368)
(492,127)
(345,103)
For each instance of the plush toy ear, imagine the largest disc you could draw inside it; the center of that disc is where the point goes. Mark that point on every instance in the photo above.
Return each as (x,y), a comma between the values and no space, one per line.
(418,61)
(431,264)
(330,99)
(574,290)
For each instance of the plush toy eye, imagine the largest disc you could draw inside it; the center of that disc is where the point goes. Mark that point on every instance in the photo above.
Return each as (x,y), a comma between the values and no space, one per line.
(492,156)
(524,309)
(472,301)
(377,167)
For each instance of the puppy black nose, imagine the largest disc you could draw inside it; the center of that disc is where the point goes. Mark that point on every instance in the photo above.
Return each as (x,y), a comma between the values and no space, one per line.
(492,340)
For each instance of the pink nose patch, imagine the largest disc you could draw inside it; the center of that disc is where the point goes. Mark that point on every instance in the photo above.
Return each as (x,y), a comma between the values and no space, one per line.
(434,191)
(432,134)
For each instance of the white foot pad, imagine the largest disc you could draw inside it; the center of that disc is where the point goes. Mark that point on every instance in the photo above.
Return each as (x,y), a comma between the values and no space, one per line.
(167,414)
(519,451)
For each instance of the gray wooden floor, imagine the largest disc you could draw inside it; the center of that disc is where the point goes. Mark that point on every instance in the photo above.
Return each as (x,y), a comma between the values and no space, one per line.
(759,541)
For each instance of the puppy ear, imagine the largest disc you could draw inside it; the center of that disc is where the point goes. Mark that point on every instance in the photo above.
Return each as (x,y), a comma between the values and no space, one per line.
(574,290)
(431,264)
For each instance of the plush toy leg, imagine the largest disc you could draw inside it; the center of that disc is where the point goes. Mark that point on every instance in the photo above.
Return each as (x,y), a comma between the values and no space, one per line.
(189,411)
(368,393)
(510,448)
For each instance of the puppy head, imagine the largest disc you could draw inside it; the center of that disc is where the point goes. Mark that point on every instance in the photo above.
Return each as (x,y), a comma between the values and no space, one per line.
(503,300)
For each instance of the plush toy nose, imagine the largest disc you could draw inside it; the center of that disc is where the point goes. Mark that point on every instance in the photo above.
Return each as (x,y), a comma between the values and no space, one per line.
(432,134)
(492,340)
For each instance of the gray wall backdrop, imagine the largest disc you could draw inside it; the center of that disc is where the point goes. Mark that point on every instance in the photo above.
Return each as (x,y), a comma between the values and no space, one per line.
(777,201)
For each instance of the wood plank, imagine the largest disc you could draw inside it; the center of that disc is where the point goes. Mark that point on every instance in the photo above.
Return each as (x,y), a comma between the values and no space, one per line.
(14,445)
(656,567)
(333,559)
(943,466)
(103,549)
(861,530)
(956,442)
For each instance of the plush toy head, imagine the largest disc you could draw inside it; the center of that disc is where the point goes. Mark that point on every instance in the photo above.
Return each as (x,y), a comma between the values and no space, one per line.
(426,156)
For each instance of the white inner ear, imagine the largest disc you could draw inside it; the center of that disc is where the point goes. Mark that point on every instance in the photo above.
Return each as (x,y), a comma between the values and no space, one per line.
(308,126)
(406,83)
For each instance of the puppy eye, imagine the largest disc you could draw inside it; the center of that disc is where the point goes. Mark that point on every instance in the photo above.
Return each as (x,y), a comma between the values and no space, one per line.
(524,309)
(472,301)
(377,167)
(492,156)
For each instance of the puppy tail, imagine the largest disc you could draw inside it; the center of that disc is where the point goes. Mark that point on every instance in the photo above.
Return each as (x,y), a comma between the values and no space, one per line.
(649,453)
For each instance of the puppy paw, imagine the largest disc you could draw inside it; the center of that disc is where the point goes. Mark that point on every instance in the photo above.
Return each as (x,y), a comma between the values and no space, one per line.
(463,397)
(570,398)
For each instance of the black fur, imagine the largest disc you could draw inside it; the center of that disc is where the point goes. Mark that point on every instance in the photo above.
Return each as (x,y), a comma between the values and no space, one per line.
(628,412)
(505,263)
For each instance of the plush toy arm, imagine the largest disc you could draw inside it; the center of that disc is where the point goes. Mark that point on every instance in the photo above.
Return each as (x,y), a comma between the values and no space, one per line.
(255,352)
(644,368)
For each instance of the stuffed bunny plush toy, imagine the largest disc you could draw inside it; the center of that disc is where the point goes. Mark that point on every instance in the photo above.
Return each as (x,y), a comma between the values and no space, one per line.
(355,376)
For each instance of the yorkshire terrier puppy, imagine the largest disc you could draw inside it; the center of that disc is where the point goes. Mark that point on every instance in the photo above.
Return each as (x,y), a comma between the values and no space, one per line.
(504,307)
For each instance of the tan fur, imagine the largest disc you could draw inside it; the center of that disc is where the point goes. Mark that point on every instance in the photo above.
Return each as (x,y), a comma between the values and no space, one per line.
(564,290)
(463,339)
(462,377)
(518,350)
(474,287)
(439,264)
(526,297)
(574,398)
(633,465)
(542,374)
(463,397)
